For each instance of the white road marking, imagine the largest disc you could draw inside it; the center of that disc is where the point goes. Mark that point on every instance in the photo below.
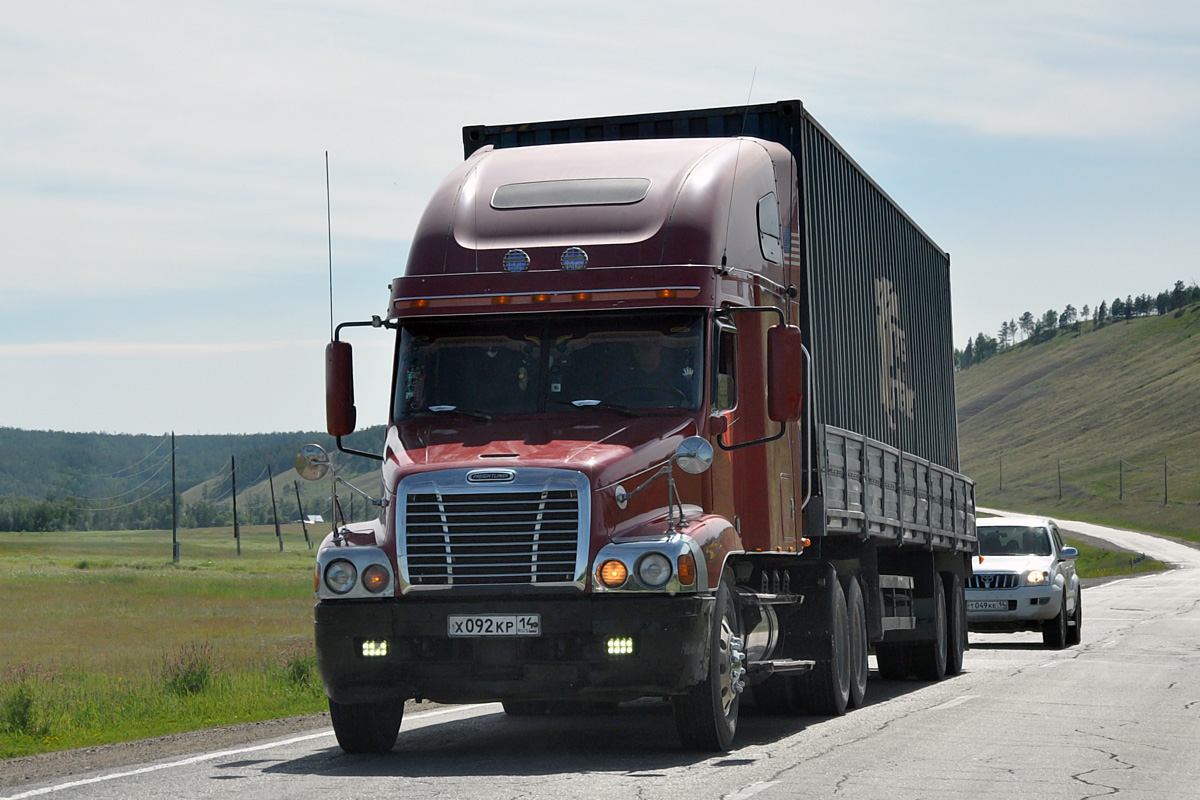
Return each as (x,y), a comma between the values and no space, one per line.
(751,790)
(212,756)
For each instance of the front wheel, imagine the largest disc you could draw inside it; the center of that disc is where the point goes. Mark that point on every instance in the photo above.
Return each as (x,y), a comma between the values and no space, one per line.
(1054,631)
(707,715)
(366,727)
(1075,631)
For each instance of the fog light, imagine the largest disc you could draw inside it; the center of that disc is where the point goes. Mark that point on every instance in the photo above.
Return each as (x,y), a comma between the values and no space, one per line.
(373,648)
(621,646)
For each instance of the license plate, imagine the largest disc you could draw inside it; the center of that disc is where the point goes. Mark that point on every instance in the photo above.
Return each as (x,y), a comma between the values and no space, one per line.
(987,605)
(494,625)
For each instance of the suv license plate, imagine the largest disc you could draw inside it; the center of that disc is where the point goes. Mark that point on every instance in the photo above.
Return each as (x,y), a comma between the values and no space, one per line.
(987,605)
(494,625)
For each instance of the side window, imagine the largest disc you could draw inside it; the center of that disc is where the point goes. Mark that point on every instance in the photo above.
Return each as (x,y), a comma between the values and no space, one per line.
(768,229)
(725,378)
(1058,542)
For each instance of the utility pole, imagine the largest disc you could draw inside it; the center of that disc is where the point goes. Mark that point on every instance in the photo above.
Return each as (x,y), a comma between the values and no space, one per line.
(1002,473)
(274,508)
(303,524)
(1121,483)
(1060,480)
(174,507)
(1164,480)
(237,533)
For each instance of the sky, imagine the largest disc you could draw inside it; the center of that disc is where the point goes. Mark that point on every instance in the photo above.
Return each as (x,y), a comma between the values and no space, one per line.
(164,249)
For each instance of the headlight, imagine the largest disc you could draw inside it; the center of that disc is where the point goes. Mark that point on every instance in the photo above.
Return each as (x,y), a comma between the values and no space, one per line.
(612,573)
(375,578)
(1035,577)
(340,576)
(654,570)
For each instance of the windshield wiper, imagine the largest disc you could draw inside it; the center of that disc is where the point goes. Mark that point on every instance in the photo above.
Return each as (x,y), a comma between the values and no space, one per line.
(462,412)
(585,403)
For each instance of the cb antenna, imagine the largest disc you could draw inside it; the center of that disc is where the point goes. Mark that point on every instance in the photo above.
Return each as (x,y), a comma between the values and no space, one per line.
(329,232)
(736,159)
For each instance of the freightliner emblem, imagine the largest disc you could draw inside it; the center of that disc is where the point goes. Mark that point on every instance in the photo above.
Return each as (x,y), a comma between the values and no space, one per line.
(491,476)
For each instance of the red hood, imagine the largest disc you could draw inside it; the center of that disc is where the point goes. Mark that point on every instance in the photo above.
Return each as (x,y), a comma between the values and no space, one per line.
(602,445)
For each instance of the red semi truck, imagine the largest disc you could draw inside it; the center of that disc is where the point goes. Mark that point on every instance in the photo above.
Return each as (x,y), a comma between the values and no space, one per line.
(672,416)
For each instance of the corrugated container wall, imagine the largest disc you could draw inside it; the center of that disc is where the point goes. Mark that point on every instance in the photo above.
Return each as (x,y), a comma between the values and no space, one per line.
(875,300)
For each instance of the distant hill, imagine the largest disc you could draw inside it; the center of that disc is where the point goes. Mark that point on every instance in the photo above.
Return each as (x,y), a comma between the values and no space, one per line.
(1109,408)
(54,479)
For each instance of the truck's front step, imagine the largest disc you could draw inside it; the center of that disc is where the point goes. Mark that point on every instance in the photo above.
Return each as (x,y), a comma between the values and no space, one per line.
(779,666)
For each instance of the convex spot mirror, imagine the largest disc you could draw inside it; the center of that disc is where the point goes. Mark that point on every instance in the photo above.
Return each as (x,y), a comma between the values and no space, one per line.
(312,462)
(694,455)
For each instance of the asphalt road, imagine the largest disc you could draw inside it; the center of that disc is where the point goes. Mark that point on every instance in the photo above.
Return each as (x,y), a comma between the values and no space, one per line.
(1117,715)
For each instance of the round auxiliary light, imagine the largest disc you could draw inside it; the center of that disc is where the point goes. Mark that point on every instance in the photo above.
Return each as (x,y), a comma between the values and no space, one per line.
(654,570)
(340,576)
(376,578)
(573,258)
(612,573)
(515,261)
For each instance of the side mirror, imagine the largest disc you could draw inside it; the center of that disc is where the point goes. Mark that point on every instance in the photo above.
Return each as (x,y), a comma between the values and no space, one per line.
(1068,553)
(785,373)
(694,455)
(340,413)
(312,462)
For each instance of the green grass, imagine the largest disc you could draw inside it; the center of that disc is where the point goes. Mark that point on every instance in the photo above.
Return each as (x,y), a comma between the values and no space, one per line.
(1097,562)
(1081,404)
(105,639)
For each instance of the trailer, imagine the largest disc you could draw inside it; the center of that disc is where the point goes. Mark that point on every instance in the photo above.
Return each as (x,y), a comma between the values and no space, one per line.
(672,416)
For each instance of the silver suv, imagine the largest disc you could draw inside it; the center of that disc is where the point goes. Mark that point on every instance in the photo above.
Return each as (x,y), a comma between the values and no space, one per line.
(1025,581)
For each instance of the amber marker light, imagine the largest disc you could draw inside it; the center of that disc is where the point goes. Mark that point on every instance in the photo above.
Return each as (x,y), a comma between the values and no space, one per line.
(375,578)
(502,300)
(581,297)
(685,568)
(613,573)
(665,293)
(541,298)
(422,303)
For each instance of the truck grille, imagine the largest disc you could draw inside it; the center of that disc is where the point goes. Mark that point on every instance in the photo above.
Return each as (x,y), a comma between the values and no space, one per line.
(993,580)
(501,536)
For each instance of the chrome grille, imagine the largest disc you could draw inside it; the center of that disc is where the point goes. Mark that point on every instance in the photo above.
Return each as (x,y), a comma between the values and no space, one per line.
(993,580)
(458,535)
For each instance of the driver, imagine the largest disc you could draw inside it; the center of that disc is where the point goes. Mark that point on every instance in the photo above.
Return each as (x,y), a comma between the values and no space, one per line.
(652,379)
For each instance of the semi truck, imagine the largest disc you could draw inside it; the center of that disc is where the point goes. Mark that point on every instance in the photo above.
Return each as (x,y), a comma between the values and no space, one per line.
(672,416)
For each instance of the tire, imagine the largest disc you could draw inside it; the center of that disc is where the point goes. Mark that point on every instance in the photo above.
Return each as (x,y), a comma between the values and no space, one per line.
(929,657)
(706,717)
(859,666)
(1054,631)
(1075,632)
(825,690)
(366,727)
(956,622)
(525,708)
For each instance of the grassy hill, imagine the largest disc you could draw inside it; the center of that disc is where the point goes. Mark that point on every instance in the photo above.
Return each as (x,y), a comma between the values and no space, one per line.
(1107,408)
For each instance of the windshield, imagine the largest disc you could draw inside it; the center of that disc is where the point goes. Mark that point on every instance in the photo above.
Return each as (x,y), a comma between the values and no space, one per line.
(521,365)
(1014,540)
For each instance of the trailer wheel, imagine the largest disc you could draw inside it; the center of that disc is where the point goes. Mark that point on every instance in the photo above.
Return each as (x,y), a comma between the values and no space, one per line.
(825,690)
(956,622)
(929,658)
(859,667)
(707,715)
(366,727)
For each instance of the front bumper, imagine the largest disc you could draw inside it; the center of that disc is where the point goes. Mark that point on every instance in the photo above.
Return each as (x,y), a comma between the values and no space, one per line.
(1023,608)
(569,659)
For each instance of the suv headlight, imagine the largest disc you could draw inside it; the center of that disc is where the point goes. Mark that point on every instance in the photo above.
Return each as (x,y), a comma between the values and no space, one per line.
(1036,576)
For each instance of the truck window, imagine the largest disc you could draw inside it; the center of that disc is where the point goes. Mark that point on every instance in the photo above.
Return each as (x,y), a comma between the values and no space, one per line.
(725,377)
(769,240)
(468,369)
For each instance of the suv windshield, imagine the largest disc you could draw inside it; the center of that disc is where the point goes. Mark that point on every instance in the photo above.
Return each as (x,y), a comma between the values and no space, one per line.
(523,365)
(1014,540)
